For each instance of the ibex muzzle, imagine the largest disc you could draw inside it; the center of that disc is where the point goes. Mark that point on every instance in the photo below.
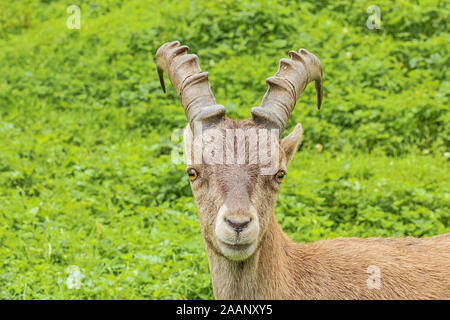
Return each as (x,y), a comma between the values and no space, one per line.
(237,222)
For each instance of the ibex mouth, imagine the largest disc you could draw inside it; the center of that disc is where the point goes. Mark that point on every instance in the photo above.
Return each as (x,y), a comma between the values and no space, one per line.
(237,246)
(238,251)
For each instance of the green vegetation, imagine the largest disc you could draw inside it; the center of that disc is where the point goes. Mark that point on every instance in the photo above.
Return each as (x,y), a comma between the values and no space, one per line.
(85,173)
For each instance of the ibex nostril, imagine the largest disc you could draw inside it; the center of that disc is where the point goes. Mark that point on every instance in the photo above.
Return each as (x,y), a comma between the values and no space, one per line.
(238,225)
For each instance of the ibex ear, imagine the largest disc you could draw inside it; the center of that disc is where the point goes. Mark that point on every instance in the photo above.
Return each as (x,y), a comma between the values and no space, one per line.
(291,142)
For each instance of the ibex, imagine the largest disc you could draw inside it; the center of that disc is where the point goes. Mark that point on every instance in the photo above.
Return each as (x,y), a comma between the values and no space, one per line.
(249,256)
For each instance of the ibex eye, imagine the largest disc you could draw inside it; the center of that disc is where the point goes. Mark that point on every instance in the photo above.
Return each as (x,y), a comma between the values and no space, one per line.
(192,173)
(280,175)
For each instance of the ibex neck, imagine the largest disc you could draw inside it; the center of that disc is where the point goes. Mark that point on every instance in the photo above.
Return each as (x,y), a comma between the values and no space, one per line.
(262,276)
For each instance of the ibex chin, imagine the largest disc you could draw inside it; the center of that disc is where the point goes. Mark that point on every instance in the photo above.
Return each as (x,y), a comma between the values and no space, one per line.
(249,255)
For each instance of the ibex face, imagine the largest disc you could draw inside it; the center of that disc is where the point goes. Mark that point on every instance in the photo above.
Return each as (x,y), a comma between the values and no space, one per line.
(236,168)
(237,193)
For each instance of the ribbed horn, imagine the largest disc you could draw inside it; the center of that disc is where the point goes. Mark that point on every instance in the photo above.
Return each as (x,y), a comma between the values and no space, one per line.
(191,84)
(285,87)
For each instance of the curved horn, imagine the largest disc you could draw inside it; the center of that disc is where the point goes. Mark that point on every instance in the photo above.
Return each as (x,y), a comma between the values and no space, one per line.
(191,84)
(285,87)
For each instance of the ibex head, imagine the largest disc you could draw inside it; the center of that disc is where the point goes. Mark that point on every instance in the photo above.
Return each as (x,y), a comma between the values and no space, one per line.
(236,168)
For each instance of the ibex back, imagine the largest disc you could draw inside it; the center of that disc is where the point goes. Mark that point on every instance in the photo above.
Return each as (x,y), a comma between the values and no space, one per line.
(236,170)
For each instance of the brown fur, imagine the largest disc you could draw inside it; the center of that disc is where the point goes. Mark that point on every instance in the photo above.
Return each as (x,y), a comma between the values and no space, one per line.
(410,268)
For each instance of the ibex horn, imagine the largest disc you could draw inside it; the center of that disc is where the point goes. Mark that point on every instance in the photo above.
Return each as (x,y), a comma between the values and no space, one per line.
(191,84)
(285,87)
